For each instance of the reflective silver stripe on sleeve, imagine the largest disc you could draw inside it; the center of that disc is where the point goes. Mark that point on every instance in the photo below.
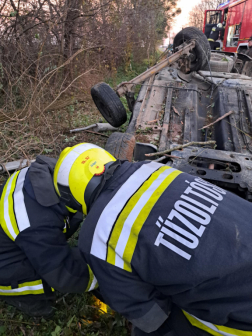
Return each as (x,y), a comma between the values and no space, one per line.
(115,206)
(63,174)
(152,320)
(19,204)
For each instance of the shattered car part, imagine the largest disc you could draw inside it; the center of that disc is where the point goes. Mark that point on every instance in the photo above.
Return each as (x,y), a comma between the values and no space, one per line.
(229,170)
(98,127)
(14,165)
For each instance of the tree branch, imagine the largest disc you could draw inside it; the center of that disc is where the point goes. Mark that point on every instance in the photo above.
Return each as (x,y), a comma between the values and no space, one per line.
(182,146)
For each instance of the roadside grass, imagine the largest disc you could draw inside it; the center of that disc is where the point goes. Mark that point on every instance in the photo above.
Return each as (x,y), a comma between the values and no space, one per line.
(75,314)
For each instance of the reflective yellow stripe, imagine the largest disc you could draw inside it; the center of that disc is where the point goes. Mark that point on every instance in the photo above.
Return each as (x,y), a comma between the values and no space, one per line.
(71,210)
(31,283)
(92,283)
(3,210)
(211,40)
(91,277)
(65,227)
(214,329)
(139,222)
(32,287)
(11,204)
(27,292)
(115,206)
(124,214)
(2,220)
(124,237)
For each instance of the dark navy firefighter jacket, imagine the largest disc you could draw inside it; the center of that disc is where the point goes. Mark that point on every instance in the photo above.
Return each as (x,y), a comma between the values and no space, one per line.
(157,237)
(34,255)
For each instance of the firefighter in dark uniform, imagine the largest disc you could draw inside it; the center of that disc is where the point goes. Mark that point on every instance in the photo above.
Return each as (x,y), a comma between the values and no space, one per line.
(249,51)
(35,258)
(170,251)
(214,36)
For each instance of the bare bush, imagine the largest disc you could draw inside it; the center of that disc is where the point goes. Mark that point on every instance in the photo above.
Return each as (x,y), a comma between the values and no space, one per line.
(197,14)
(53,51)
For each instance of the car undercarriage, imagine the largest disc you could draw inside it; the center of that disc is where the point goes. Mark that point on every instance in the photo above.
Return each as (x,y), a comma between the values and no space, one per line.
(177,106)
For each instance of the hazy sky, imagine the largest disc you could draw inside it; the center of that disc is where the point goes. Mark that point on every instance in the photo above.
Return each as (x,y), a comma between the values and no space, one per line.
(181,20)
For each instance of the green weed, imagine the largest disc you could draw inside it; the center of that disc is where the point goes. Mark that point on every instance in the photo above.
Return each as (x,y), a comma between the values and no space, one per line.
(74,315)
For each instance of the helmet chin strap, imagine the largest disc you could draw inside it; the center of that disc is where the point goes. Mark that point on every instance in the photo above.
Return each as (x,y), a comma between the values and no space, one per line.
(105,177)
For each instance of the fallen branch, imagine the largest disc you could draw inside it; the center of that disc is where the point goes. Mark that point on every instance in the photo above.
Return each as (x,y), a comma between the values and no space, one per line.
(224,116)
(203,143)
(96,133)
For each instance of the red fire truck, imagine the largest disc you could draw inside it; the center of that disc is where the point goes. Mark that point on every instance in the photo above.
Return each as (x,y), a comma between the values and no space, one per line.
(236,17)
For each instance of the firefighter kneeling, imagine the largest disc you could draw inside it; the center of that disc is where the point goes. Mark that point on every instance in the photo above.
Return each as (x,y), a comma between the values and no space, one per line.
(35,258)
(170,251)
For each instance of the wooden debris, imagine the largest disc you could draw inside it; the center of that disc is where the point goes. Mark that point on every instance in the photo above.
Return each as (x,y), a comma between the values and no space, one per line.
(224,116)
(203,143)
(98,127)
(175,110)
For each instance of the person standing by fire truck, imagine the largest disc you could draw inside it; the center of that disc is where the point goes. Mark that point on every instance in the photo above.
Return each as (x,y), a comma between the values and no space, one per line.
(214,36)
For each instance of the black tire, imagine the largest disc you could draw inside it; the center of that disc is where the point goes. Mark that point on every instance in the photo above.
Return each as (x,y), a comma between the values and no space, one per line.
(202,51)
(109,104)
(121,145)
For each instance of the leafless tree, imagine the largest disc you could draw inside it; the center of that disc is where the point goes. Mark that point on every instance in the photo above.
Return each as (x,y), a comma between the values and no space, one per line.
(53,51)
(196,15)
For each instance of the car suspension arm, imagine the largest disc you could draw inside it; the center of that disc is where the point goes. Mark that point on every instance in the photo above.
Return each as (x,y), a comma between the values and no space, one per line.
(183,49)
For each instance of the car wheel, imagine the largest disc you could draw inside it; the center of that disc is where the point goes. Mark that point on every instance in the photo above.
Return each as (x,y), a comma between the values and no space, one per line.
(121,145)
(201,52)
(109,104)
